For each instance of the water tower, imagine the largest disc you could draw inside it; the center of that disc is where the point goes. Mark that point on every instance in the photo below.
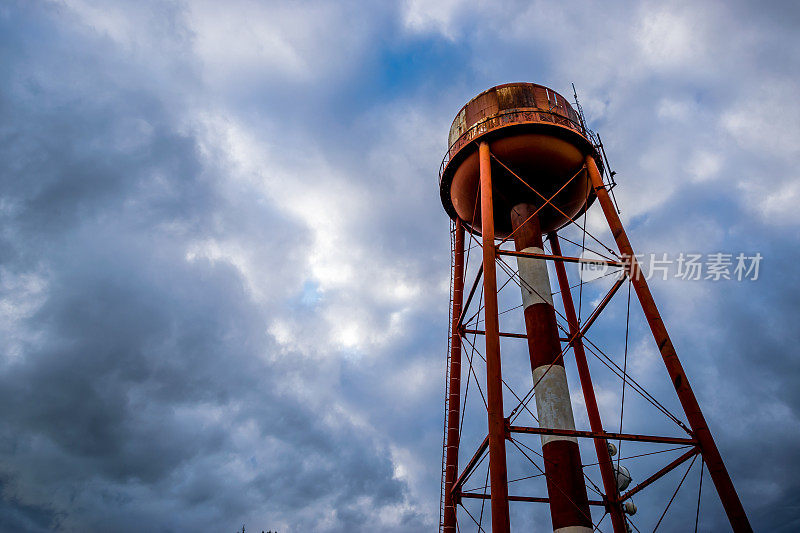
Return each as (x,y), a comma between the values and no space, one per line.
(522,165)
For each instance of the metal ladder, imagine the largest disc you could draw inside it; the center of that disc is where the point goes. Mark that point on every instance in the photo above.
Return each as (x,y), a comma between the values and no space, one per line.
(447,374)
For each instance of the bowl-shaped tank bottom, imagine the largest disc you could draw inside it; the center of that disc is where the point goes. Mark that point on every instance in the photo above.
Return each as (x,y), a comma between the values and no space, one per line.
(544,162)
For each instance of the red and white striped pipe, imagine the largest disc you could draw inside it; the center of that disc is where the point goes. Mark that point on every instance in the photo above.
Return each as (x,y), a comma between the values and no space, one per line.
(569,505)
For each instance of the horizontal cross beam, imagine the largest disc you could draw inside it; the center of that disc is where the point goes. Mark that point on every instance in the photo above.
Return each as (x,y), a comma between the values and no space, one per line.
(504,334)
(602,435)
(534,499)
(562,258)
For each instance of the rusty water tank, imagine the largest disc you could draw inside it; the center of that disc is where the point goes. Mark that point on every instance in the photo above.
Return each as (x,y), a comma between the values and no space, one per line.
(534,132)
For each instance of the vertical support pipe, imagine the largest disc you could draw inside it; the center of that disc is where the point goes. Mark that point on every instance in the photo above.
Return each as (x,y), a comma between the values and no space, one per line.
(600,445)
(454,400)
(566,488)
(716,468)
(494,385)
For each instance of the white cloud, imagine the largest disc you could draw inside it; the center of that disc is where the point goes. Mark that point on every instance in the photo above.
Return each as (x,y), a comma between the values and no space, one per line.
(673,109)
(667,37)
(765,125)
(438,17)
(704,165)
(21,295)
(766,119)
(776,203)
(232,38)
(113,20)
(331,208)
(276,43)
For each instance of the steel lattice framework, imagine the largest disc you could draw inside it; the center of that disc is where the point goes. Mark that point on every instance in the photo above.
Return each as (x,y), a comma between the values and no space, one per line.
(477,302)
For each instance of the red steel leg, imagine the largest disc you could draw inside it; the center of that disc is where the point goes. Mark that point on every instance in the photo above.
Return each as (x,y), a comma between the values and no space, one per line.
(716,468)
(494,386)
(601,446)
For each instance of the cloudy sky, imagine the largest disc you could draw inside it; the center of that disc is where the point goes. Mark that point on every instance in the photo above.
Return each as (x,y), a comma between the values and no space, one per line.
(224,264)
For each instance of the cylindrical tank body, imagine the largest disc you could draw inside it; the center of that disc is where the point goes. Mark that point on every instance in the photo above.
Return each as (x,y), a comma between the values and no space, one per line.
(537,134)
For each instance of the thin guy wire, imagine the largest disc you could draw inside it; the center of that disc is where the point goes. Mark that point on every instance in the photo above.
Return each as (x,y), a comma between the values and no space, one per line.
(624,373)
(580,268)
(469,321)
(646,454)
(477,384)
(675,493)
(483,501)
(509,481)
(591,347)
(466,396)
(590,249)
(617,271)
(699,493)
(503,381)
(594,488)
(473,518)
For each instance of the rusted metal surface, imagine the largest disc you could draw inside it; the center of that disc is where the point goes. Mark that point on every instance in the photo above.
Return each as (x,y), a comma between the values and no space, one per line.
(494,385)
(507,104)
(530,127)
(716,467)
(454,400)
(600,445)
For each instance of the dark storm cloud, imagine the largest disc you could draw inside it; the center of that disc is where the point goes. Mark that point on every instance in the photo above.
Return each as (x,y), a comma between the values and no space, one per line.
(124,406)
